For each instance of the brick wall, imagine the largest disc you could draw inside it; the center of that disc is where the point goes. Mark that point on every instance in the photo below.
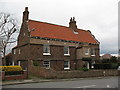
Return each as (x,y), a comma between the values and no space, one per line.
(14,77)
(50,73)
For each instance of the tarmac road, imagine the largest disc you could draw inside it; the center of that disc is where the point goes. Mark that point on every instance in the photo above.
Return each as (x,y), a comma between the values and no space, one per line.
(104,82)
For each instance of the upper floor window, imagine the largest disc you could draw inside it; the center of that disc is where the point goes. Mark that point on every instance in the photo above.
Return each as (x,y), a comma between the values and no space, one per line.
(46,50)
(66,50)
(87,51)
(92,52)
(14,51)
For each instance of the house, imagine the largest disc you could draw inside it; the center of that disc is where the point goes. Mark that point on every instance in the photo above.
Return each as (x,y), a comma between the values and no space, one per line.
(54,46)
(106,56)
(8,58)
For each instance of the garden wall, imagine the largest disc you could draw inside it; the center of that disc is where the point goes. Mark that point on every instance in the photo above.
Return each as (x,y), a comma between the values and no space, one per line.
(14,77)
(50,73)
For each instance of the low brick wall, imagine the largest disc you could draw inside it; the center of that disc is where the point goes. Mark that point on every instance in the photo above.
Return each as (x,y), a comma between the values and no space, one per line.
(41,72)
(14,77)
(83,74)
(50,73)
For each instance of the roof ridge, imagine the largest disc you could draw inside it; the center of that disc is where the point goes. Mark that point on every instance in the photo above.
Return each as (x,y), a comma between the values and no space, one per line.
(48,23)
(55,24)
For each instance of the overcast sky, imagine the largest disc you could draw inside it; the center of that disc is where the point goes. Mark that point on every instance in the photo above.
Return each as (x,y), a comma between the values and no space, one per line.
(98,16)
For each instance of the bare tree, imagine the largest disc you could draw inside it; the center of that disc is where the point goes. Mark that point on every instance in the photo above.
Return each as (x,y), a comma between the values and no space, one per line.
(8,26)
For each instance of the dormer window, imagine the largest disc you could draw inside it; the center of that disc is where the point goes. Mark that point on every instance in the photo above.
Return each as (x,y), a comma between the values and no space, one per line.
(75,32)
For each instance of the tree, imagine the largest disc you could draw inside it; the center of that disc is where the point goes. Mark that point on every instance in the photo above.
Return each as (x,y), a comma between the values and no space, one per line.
(8,26)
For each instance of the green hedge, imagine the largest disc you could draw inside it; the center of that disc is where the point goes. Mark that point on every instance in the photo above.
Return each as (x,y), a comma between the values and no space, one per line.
(87,59)
(106,66)
(14,72)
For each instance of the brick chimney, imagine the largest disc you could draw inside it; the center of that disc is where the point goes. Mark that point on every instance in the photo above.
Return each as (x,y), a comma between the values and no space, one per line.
(25,14)
(72,23)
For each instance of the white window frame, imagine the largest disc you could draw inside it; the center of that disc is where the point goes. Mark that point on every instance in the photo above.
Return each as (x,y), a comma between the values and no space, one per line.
(68,64)
(46,53)
(88,51)
(13,63)
(47,66)
(19,63)
(14,51)
(68,51)
(92,52)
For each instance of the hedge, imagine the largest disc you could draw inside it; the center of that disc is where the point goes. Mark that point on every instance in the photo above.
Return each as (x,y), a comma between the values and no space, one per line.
(106,66)
(11,68)
(14,72)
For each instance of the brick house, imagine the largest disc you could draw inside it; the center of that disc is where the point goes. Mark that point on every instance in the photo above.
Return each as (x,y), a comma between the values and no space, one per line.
(54,46)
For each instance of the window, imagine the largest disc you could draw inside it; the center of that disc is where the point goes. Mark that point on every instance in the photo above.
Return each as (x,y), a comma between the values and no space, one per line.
(92,52)
(14,51)
(46,64)
(66,50)
(87,51)
(19,51)
(66,64)
(46,50)
(75,32)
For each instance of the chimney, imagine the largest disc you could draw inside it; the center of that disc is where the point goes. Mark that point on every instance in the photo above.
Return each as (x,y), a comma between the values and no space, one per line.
(72,23)
(25,14)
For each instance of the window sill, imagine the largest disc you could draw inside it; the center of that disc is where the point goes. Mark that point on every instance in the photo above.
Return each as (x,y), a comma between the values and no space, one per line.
(66,68)
(92,55)
(86,54)
(66,54)
(46,54)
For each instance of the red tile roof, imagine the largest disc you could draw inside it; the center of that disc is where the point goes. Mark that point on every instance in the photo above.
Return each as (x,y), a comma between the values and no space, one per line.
(106,56)
(43,29)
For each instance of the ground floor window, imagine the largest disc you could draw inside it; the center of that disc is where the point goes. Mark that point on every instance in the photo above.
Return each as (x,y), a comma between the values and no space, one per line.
(66,64)
(46,64)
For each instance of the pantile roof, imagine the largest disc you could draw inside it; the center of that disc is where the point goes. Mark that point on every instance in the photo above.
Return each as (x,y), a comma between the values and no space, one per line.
(47,30)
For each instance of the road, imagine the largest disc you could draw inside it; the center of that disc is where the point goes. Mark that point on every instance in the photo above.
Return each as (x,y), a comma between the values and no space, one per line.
(106,82)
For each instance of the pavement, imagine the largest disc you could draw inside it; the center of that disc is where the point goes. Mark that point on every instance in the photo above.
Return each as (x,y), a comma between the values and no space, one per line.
(38,80)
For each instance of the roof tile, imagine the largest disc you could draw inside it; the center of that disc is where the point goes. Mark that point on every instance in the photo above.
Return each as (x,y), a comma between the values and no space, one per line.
(43,29)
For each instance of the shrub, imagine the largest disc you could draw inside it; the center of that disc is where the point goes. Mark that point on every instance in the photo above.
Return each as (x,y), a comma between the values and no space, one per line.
(83,69)
(10,68)
(14,72)
(87,59)
(106,66)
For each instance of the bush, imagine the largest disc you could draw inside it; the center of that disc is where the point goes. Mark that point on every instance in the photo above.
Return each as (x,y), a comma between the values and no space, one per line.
(87,59)
(14,72)
(106,66)
(10,68)
(83,69)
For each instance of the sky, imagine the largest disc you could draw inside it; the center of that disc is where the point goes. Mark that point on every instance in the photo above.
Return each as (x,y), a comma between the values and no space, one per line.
(98,16)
